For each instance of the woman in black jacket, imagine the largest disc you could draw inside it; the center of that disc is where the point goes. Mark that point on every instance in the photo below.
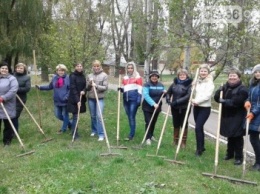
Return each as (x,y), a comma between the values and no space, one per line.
(24,82)
(233,115)
(180,91)
(77,89)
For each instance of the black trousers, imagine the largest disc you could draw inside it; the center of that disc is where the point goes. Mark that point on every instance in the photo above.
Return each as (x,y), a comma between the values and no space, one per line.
(8,132)
(147,118)
(235,147)
(255,141)
(201,115)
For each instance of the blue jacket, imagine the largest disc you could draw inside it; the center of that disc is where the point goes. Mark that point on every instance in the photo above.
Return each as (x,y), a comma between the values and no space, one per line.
(254,98)
(60,95)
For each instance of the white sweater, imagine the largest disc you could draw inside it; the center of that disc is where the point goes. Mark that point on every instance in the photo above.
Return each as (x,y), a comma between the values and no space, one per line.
(203,91)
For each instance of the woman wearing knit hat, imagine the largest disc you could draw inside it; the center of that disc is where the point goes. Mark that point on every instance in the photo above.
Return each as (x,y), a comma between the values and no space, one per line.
(253,105)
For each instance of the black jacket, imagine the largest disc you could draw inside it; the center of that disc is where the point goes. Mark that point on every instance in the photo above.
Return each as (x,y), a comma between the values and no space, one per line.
(233,111)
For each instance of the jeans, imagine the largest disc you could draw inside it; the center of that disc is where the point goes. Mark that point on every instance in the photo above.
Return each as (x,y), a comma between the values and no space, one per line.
(62,114)
(201,115)
(255,142)
(96,123)
(131,109)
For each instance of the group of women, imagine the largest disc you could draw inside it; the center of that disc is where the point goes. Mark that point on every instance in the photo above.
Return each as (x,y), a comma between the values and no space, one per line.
(72,91)
(235,98)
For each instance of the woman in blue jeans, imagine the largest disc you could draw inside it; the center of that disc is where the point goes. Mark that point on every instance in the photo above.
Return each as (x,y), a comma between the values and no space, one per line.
(60,86)
(97,79)
(132,95)
(204,88)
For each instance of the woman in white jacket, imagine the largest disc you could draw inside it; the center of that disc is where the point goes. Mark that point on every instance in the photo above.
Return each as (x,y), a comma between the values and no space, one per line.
(204,88)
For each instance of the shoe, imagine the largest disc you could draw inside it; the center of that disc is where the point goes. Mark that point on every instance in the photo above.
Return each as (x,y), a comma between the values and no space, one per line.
(101,139)
(198,153)
(228,157)
(153,139)
(128,138)
(59,132)
(92,134)
(255,167)
(7,144)
(148,142)
(238,162)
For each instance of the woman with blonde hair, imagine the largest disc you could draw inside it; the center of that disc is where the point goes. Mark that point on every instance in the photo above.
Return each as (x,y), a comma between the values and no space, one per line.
(204,88)
(24,82)
(60,84)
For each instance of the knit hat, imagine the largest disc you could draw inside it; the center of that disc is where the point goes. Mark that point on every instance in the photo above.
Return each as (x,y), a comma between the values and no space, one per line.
(256,68)
(154,73)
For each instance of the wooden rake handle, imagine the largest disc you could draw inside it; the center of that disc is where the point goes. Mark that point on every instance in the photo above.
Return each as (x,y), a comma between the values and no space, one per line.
(77,122)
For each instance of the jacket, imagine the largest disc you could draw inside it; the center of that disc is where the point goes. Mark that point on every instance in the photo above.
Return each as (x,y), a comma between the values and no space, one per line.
(24,82)
(152,93)
(203,91)
(233,111)
(8,89)
(60,94)
(77,84)
(254,98)
(132,88)
(180,93)
(100,80)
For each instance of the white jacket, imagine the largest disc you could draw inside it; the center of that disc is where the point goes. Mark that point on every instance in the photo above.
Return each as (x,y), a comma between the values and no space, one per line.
(203,91)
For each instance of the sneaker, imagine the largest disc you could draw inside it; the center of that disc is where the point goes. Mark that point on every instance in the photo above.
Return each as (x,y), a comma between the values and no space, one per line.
(153,139)
(101,139)
(92,134)
(148,142)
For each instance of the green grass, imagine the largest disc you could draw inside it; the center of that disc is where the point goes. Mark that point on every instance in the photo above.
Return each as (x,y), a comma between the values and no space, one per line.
(60,167)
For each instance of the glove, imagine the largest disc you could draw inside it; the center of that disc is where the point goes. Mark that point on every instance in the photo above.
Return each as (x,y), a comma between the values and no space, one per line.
(37,87)
(250,116)
(174,103)
(247,105)
(221,100)
(120,89)
(1,100)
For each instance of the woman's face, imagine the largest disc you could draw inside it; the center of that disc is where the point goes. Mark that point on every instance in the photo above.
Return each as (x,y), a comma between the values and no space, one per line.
(257,74)
(182,76)
(233,78)
(130,69)
(60,72)
(154,78)
(96,67)
(4,70)
(204,73)
(79,68)
(20,69)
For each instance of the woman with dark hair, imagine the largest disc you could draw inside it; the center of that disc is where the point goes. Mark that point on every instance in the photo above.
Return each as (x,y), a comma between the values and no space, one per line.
(253,105)
(180,91)
(8,89)
(232,115)
(77,89)
(24,82)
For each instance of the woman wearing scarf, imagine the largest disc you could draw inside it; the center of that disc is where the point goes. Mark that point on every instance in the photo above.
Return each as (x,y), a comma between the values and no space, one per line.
(179,91)
(8,89)
(97,79)
(132,95)
(233,115)
(60,85)
(24,82)
(204,88)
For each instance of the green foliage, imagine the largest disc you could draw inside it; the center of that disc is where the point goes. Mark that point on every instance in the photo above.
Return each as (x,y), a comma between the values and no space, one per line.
(61,167)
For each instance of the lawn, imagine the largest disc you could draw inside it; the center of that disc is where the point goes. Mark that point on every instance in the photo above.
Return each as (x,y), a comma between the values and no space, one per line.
(62,167)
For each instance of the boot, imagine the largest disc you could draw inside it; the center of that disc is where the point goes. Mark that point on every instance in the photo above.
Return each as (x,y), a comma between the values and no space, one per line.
(176,132)
(184,138)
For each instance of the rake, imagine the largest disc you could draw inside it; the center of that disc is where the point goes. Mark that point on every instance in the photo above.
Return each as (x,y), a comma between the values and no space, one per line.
(118,118)
(104,128)
(161,135)
(184,123)
(16,134)
(77,122)
(215,175)
(40,129)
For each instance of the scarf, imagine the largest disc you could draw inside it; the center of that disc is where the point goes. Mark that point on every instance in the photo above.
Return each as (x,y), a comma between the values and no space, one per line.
(60,82)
